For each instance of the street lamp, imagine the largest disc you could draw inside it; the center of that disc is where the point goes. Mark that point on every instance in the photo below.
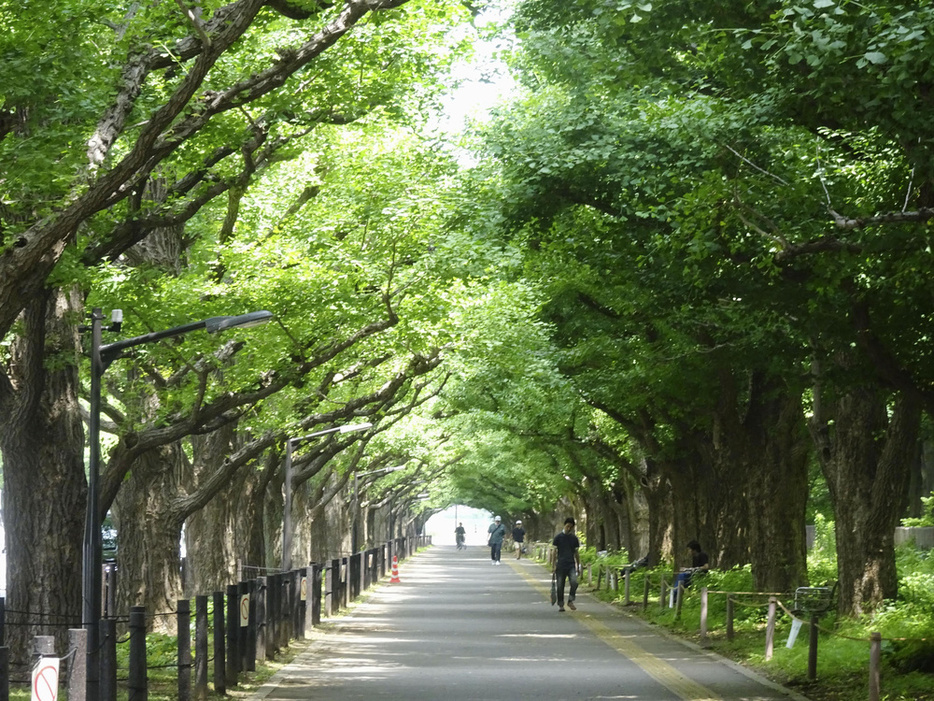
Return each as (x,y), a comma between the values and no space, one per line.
(102,356)
(287,508)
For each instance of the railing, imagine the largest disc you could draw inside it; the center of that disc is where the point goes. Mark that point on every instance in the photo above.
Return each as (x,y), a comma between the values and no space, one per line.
(252,621)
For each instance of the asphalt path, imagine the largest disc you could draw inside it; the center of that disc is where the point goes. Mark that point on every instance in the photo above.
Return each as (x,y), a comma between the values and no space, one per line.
(457,628)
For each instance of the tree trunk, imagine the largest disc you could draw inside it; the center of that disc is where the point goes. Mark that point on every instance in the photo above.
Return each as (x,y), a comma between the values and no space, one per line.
(149,529)
(777,485)
(866,453)
(44,490)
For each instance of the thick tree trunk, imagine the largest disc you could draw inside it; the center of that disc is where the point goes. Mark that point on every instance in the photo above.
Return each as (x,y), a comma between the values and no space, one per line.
(149,526)
(44,490)
(777,485)
(866,455)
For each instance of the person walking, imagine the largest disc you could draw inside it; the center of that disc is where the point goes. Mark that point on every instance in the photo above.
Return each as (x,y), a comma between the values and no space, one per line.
(567,562)
(497,532)
(518,537)
(460,535)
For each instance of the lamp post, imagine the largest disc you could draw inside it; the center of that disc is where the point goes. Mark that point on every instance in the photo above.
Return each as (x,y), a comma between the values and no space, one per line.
(287,506)
(102,356)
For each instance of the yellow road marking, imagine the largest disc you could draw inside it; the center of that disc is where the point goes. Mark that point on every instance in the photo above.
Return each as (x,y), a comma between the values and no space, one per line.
(658,669)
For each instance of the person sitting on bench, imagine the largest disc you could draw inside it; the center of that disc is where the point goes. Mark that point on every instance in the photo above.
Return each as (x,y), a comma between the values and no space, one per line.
(700,563)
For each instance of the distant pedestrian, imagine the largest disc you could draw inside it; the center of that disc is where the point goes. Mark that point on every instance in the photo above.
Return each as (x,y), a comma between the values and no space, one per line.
(518,537)
(497,532)
(567,562)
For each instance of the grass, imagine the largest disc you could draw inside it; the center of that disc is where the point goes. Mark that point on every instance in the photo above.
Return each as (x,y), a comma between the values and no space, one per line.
(907,668)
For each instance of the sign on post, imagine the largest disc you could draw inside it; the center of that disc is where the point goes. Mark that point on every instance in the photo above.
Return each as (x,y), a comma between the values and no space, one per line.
(45,679)
(244,610)
(304,588)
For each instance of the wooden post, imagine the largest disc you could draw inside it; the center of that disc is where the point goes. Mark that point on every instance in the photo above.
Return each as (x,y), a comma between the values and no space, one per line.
(679,596)
(645,594)
(770,630)
(232,667)
(626,588)
(703,615)
(183,617)
(262,618)
(316,594)
(220,634)
(812,648)
(201,647)
(138,679)
(729,616)
(251,627)
(664,591)
(107,638)
(5,672)
(875,657)
(77,676)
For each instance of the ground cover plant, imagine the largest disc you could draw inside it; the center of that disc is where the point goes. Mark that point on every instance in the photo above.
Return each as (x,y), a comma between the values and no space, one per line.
(906,625)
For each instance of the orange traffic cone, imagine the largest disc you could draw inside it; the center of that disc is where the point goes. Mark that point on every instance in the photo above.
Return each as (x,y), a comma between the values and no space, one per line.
(395,571)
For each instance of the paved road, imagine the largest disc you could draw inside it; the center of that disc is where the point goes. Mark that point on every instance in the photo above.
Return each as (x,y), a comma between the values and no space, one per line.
(459,629)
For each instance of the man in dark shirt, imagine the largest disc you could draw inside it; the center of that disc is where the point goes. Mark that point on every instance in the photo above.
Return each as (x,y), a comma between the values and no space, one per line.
(700,563)
(518,537)
(567,562)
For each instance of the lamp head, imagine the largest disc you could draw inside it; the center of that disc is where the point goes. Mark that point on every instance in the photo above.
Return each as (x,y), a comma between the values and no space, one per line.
(241,321)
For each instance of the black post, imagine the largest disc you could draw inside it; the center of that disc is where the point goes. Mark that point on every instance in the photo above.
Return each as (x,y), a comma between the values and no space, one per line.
(262,628)
(92,547)
(4,673)
(201,646)
(315,593)
(220,634)
(183,617)
(329,589)
(812,649)
(138,681)
(233,623)
(250,661)
(243,590)
(108,679)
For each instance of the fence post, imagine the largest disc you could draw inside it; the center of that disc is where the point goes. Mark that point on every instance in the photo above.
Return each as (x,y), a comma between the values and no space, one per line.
(703,615)
(875,657)
(243,631)
(679,595)
(329,589)
(5,672)
(138,680)
(107,637)
(183,617)
(315,594)
(729,616)
(345,580)
(220,634)
(251,627)
(262,618)
(77,673)
(812,648)
(201,646)
(626,588)
(664,591)
(232,667)
(770,630)
(645,594)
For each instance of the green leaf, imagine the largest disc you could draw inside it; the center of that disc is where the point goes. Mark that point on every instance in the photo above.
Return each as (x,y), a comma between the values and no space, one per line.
(876,57)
